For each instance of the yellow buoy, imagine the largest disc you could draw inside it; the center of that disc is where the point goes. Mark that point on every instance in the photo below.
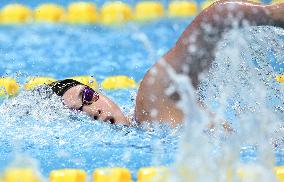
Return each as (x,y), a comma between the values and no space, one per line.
(21,175)
(280,78)
(256,1)
(115,13)
(87,80)
(118,82)
(82,12)
(253,172)
(8,86)
(148,10)
(182,9)
(68,175)
(112,175)
(279,171)
(49,13)
(158,174)
(15,13)
(37,81)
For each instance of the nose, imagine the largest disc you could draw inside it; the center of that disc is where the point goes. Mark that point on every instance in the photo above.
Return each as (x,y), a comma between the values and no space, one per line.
(106,110)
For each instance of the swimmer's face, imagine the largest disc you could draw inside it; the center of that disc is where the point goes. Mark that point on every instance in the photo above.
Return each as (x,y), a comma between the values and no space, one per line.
(99,108)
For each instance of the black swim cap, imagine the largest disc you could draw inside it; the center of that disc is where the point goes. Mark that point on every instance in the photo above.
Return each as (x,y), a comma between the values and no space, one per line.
(61,86)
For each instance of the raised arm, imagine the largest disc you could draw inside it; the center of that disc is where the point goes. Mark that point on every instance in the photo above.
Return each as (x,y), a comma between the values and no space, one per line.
(194,52)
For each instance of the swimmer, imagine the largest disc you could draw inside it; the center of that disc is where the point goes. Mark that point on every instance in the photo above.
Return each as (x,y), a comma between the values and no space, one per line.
(191,55)
(77,96)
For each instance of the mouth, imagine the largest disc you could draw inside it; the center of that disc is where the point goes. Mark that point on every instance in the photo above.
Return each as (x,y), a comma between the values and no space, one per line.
(110,119)
(96,117)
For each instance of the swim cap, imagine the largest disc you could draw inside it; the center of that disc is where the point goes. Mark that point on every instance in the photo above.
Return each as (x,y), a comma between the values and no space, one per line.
(61,86)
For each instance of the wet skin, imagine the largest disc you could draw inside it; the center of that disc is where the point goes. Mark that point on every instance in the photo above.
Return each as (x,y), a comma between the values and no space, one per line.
(191,55)
(103,109)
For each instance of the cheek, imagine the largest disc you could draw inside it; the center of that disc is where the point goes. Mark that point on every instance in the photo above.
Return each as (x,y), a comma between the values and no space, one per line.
(71,102)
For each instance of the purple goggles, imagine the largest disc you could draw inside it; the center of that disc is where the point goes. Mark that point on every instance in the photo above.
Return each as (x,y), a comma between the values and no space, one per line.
(89,96)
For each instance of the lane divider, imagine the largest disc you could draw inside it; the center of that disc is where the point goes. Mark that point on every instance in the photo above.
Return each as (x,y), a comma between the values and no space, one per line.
(279,171)
(10,87)
(112,175)
(82,13)
(36,81)
(111,13)
(115,13)
(157,174)
(148,10)
(280,78)
(148,174)
(118,82)
(20,175)
(182,9)
(49,13)
(87,80)
(68,175)
(16,14)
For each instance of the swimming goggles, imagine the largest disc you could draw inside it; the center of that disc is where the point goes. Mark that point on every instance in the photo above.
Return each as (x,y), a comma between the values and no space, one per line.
(88,97)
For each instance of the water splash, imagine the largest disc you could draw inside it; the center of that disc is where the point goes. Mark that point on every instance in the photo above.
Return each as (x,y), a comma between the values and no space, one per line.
(37,124)
(239,91)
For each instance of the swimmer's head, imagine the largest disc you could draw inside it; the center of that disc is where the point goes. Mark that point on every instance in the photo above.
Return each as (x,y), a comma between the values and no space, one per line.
(78,96)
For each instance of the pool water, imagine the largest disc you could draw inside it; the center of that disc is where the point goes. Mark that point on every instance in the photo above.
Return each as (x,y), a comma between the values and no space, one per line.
(43,133)
(54,138)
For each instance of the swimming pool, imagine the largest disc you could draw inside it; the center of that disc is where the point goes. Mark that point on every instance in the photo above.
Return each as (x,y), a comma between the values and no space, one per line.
(58,140)
(62,51)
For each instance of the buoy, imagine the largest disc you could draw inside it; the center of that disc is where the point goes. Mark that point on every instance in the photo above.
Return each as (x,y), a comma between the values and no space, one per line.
(49,13)
(182,9)
(87,80)
(249,172)
(148,10)
(37,81)
(279,171)
(257,1)
(112,175)
(118,82)
(68,175)
(15,14)
(158,174)
(20,175)
(82,13)
(8,86)
(280,78)
(115,13)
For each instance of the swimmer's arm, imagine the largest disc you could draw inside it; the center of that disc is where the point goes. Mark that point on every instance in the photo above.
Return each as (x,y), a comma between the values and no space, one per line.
(194,52)
(196,46)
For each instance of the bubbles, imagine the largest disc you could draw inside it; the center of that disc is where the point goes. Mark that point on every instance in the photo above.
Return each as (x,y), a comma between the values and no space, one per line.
(38,125)
(240,92)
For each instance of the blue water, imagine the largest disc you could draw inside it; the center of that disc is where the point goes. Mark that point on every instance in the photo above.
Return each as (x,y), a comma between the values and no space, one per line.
(61,51)
(64,141)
